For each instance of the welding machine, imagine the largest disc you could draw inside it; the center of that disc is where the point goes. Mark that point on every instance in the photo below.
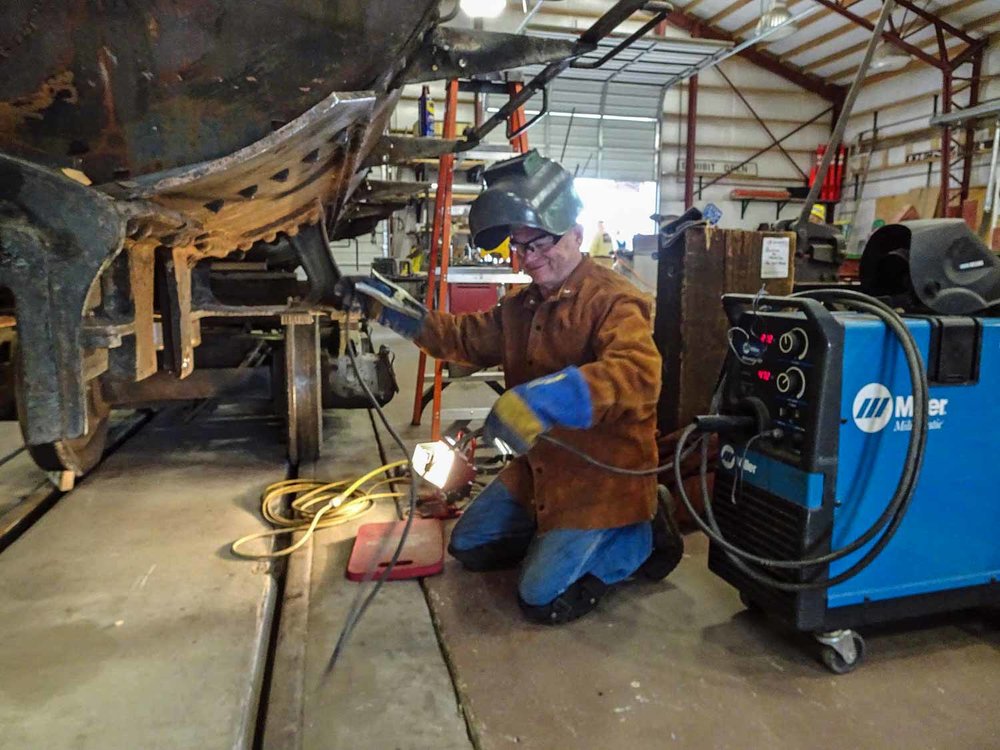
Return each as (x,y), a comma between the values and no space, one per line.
(859,486)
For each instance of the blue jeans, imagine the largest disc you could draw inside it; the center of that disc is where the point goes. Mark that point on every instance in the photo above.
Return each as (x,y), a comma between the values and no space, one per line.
(556,559)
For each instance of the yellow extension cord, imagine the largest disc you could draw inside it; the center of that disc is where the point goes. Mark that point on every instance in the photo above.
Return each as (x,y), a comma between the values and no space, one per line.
(335,506)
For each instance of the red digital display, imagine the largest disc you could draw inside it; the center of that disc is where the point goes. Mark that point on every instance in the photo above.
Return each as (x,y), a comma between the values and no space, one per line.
(767,338)
(764,375)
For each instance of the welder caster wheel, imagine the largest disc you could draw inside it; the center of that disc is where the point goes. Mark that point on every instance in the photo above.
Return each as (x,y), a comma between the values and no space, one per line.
(842,652)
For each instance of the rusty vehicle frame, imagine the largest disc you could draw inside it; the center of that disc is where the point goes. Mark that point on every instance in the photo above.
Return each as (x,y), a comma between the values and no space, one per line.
(172,175)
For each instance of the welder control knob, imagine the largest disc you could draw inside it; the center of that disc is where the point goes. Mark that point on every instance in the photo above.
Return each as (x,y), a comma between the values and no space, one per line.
(792,381)
(794,343)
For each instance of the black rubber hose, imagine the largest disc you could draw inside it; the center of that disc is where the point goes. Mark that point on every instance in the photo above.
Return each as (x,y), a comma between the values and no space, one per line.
(360,606)
(895,510)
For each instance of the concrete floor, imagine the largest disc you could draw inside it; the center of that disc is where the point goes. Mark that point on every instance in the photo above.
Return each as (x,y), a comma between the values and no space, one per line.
(391,687)
(681,663)
(124,622)
(19,476)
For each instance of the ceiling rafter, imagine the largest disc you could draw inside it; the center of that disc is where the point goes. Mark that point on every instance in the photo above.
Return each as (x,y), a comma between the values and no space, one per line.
(824,38)
(917,51)
(953,52)
(842,53)
(803,76)
(692,5)
(770,62)
(728,11)
(746,28)
(930,44)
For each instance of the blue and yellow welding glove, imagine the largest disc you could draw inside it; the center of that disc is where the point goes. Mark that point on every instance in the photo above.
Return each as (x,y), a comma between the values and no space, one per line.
(390,305)
(524,412)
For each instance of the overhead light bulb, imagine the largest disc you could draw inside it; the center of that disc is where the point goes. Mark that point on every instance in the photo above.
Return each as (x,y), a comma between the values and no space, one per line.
(888,57)
(777,15)
(483,8)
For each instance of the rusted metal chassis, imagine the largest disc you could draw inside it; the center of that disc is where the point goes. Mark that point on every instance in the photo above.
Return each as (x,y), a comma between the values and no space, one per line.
(58,238)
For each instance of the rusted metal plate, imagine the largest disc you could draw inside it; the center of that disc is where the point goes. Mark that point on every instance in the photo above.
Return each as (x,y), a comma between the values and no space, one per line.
(277,184)
(120,89)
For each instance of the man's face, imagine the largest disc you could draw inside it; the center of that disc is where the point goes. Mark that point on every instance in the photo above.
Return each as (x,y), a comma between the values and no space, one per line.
(548,260)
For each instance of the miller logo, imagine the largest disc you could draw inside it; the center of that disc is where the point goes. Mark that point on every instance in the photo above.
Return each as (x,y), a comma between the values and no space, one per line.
(728,457)
(872,408)
(729,460)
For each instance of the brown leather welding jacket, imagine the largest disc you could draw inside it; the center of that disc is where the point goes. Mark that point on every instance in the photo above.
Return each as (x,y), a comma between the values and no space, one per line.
(599,322)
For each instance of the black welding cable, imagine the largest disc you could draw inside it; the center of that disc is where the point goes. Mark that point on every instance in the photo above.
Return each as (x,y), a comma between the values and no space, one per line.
(359,606)
(896,509)
(615,469)
(911,468)
(896,512)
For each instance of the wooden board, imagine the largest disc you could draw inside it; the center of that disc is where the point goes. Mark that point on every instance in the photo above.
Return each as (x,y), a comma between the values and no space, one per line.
(690,327)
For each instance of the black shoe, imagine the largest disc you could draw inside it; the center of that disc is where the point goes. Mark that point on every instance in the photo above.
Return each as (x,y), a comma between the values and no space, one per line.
(576,601)
(668,544)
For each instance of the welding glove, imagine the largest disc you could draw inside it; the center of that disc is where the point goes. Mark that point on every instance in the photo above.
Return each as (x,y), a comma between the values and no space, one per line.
(390,305)
(525,411)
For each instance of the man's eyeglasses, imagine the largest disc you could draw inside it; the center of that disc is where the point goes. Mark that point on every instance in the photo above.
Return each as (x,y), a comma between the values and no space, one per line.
(539,244)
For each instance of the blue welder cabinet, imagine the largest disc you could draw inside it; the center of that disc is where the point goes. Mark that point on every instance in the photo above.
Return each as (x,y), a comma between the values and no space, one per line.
(839,389)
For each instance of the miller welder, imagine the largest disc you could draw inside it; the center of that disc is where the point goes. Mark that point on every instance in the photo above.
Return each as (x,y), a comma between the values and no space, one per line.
(855,482)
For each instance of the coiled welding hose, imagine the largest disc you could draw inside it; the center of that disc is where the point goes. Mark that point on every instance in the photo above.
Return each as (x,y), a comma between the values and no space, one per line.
(316,505)
(888,523)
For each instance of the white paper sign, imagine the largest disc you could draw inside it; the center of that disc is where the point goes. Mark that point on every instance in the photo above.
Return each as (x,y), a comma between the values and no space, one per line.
(774,258)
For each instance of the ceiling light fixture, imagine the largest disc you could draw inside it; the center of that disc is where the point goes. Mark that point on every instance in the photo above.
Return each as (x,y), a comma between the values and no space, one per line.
(483,8)
(889,57)
(775,16)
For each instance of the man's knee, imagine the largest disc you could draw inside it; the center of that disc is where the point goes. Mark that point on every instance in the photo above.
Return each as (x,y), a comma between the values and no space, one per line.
(578,599)
(496,555)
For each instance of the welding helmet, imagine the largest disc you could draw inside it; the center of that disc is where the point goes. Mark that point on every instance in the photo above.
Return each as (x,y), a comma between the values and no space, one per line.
(938,265)
(528,190)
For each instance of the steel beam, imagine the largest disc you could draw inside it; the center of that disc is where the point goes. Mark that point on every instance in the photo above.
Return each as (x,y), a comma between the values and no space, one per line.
(936,20)
(945,198)
(887,35)
(771,135)
(970,127)
(764,150)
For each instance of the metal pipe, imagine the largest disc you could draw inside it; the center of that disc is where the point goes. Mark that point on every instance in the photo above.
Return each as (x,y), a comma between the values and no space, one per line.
(958,117)
(845,114)
(995,215)
(528,16)
(991,182)
(692,135)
